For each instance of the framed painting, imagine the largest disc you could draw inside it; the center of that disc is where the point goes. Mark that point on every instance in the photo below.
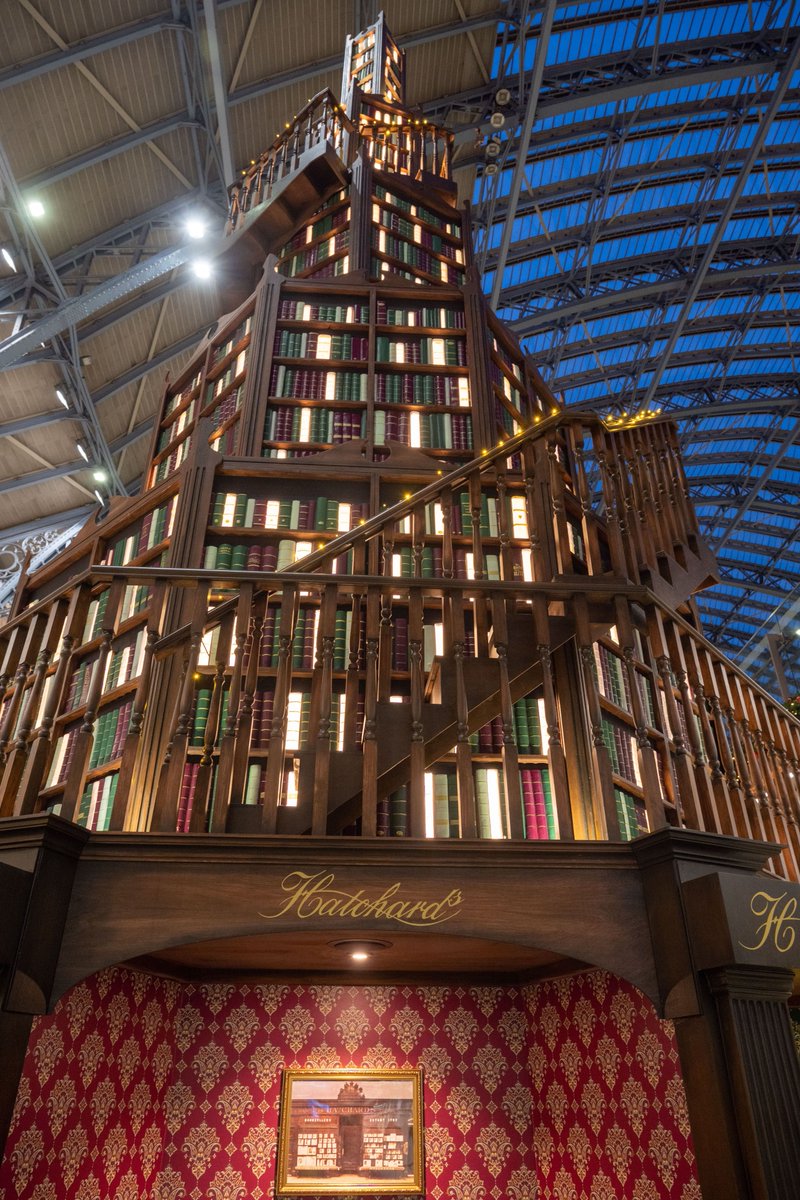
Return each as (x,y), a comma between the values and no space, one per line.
(342,1132)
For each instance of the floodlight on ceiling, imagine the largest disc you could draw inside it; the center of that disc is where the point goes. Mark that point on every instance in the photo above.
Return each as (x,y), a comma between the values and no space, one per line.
(202,268)
(100,475)
(196,226)
(8,258)
(36,208)
(61,397)
(83,450)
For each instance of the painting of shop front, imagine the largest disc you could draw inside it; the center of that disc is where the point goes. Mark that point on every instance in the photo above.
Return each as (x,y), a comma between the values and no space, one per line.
(346,1131)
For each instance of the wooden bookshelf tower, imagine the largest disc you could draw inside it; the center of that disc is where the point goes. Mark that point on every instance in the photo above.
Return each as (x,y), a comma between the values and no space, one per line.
(361,416)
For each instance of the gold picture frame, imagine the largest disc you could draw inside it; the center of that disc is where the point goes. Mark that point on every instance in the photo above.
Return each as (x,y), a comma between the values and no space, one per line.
(350,1131)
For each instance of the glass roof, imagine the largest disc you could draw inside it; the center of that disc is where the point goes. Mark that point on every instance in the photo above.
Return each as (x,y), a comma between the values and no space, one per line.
(653,257)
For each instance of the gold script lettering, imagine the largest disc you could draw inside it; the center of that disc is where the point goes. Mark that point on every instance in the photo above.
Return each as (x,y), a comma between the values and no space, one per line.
(778,923)
(313,895)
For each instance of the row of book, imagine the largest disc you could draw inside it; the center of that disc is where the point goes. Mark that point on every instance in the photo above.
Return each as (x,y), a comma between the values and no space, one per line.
(407,388)
(453,228)
(176,427)
(240,511)
(513,393)
(612,676)
(79,683)
(110,731)
(309,384)
(303,260)
(245,556)
(233,371)
(324,225)
(500,353)
(462,521)
(94,616)
(97,803)
(355,312)
(340,265)
(178,398)
(125,663)
(225,441)
(426,316)
(155,527)
(630,814)
(427,351)
(338,347)
(403,564)
(412,232)
(537,804)
(320,426)
(427,431)
(169,465)
(229,345)
(414,256)
(621,745)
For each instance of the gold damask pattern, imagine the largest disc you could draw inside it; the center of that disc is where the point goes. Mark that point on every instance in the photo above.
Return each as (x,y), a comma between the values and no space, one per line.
(138,1088)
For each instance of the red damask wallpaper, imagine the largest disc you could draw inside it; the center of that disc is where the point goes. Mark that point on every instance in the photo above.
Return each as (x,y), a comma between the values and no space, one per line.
(136,1088)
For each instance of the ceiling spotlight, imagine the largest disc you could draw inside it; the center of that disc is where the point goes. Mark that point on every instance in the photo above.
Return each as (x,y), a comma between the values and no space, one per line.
(359,956)
(497,120)
(196,227)
(202,268)
(82,450)
(100,498)
(61,397)
(503,96)
(492,149)
(100,475)
(361,951)
(9,260)
(36,208)
(491,169)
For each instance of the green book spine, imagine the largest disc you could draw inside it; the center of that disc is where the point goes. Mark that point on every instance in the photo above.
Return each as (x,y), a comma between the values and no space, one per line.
(201,708)
(398,812)
(482,803)
(240,511)
(253,785)
(321,514)
(210,558)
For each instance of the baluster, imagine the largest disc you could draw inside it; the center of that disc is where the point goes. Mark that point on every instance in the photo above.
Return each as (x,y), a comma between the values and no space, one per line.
(510,757)
(417,538)
(52,623)
(132,739)
(351,689)
(417,748)
(322,687)
(607,818)
(385,648)
(504,522)
(24,643)
(225,794)
(73,789)
(704,791)
(555,749)
(168,792)
(562,555)
(534,517)
(464,777)
(369,790)
(741,819)
(726,822)
(591,543)
(686,798)
(646,519)
(776,726)
(446,501)
(647,757)
(252,623)
(276,758)
(479,566)
(751,808)
(42,747)
(617,542)
(205,772)
(748,729)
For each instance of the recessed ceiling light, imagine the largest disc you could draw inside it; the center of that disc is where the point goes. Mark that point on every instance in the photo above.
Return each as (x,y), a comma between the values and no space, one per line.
(36,208)
(202,268)
(359,956)
(100,475)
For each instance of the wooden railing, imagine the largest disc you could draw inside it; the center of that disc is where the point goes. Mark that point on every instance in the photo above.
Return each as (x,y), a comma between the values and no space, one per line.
(321,121)
(641,721)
